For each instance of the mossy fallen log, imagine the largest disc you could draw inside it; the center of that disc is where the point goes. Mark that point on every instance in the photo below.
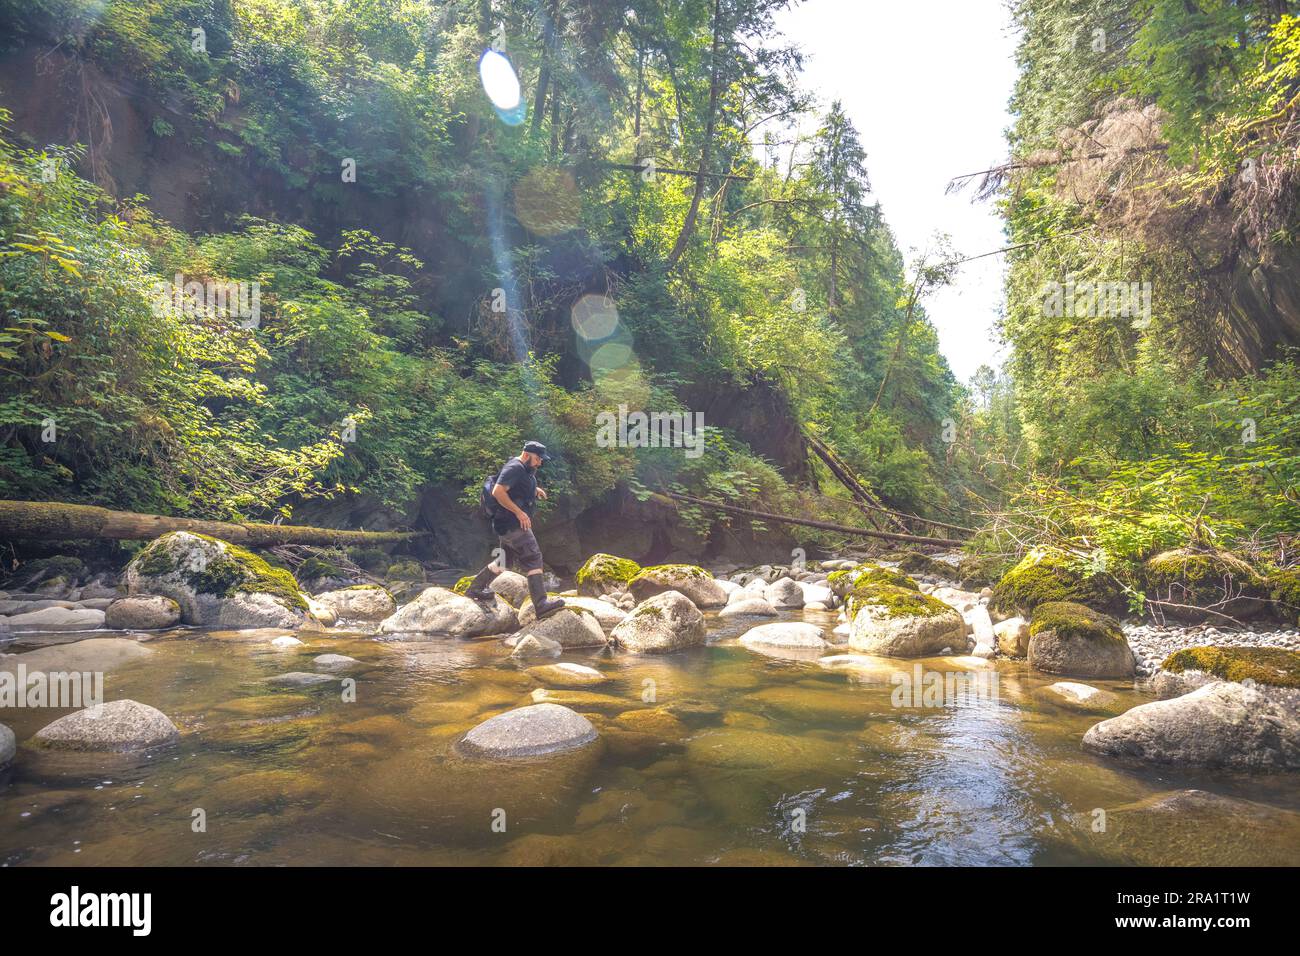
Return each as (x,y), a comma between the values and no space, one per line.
(55,521)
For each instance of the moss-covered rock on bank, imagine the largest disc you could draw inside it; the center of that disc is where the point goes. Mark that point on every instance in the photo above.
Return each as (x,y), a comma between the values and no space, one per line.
(1046,575)
(1075,640)
(1202,585)
(1275,666)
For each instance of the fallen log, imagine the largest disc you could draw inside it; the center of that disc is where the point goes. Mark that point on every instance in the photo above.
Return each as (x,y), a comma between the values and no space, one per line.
(808,522)
(54,521)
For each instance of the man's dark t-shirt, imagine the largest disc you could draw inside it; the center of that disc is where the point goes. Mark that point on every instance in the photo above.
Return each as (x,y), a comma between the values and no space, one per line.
(520,483)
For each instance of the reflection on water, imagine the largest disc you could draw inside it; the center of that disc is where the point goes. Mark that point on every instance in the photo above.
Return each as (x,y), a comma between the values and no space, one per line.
(715,755)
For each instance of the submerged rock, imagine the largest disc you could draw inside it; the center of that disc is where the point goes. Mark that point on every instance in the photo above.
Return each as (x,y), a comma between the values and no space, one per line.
(299,679)
(894,622)
(687,579)
(568,675)
(216,583)
(57,619)
(443,613)
(1222,725)
(362,602)
(334,662)
(529,732)
(1074,640)
(120,726)
(665,622)
(95,654)
(142,613)
(1081,696)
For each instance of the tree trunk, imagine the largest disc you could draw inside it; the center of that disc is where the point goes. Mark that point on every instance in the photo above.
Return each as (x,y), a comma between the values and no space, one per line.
(54,521)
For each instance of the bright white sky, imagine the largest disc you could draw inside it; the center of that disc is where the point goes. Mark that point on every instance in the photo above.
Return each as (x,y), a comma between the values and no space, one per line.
(927,86)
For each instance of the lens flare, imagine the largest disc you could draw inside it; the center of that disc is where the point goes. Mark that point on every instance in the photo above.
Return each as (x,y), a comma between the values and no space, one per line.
(594,317)
(501,85)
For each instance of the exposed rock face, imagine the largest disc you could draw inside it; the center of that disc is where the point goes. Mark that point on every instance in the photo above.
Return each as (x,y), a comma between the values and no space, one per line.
(568,627)
(694,582)
(665,622)
(1013,636)
(142,613)
(217,583)
(512,586)
(529,732)
(604,573)
(438,612)
(364,602)
(896,622)
(607,615)
(1074,640)
(748,607)
(1221,725)
(784,593)
(121,726)
(57,619)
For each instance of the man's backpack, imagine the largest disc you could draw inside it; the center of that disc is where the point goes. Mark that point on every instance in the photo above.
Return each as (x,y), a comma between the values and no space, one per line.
(491,507)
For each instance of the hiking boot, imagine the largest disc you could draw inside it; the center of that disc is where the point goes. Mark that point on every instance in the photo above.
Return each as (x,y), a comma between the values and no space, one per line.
(478,589)
(543,606)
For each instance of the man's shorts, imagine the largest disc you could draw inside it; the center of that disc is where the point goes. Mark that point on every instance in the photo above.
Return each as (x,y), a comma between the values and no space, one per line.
(521,548)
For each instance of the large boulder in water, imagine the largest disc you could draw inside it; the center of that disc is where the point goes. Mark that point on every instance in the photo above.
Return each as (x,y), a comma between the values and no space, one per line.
(529,732)
(784,593)
(217,583)
(1224,725)
(439,612)
(118,727)
(605,613)
(665,622)
(568,627)
(361,602)
(888,621)
(1075,641)
(687,579)
(58,619)
(604,573)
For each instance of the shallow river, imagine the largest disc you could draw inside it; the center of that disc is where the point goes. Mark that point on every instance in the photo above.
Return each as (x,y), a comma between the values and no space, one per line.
(717,755)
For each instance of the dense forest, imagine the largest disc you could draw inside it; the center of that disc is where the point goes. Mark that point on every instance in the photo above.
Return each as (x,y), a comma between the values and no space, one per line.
(670,222)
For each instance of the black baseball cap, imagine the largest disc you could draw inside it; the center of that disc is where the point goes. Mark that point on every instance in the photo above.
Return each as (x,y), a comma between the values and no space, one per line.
(538,449)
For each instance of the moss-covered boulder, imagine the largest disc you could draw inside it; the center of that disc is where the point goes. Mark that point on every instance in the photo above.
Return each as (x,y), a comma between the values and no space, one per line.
(694,582)
(217,583)
(981,570)
(842,582)
(604,573)
(407,570)
(891,621)
(668,621)
(914,562)
(1045,575)
(1284,591)
(1200,585)
(1275,666)
(1076,641)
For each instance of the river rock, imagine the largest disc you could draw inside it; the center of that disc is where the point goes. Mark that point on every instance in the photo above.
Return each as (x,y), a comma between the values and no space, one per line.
(364,602)
(1012,636)
(695,583)
(531,645)
(216,583)
(816,594)
(568,675)
(568,627)
(748,607)
(512,586)
(58,619)
(665,622)
(143,613)
(1073,640)
(896,622)
(529,732)
(97,654)
(787,634)
(8,746)
(1080,696)
(118,727)
(1222,726)
(322,614)
(443,613)
(784,593)
(607,615)
(334,662)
